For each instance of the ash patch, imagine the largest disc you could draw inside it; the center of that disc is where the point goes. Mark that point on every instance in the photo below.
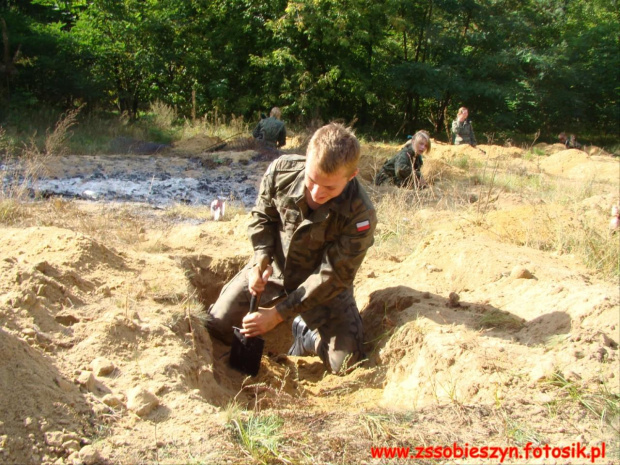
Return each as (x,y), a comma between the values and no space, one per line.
(152,179)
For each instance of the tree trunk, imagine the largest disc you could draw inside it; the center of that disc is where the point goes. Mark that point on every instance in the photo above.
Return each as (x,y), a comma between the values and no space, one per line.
(6,67)
(416,113)
(194,105)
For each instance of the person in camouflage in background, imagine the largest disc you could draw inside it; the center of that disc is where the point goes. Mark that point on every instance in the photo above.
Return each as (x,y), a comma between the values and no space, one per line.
(404,168)
(271,131)
(462,130)
(569,141)
(311,228)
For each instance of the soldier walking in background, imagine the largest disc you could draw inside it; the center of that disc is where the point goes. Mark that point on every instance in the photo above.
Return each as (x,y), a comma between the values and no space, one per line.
(271,131)
(311,228)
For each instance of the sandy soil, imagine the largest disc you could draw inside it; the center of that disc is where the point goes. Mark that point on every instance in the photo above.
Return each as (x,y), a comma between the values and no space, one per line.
(473,337)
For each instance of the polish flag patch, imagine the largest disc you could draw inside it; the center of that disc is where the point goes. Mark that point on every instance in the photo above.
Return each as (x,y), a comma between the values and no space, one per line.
(363,225)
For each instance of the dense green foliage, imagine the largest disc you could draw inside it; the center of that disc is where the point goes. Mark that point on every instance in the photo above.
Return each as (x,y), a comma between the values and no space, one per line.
(394,66)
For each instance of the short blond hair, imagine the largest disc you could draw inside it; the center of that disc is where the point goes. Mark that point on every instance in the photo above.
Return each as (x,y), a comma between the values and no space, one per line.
(275,112)
(334,147)
(462,110)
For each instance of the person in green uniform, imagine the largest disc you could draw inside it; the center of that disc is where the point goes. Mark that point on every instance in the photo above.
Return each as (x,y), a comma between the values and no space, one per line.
(311,227)
(271,131)
(569,141)
(462,130)
(404,168)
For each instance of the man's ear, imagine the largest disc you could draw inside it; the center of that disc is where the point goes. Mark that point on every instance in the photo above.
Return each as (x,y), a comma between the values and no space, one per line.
(355,173)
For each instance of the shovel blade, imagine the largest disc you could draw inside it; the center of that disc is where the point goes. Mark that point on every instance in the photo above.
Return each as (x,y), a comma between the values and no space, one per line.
(246,352)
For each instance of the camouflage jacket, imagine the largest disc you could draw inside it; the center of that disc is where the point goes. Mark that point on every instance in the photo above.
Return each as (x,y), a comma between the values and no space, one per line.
(571,142)
(271,130)
(315,254)
(400,168)
(463,133)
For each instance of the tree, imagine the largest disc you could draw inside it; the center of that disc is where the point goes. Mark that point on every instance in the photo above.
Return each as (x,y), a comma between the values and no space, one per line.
(392,66)
(8,68)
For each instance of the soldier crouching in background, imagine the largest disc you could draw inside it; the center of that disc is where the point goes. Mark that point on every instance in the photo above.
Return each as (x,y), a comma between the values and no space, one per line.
(404,168)
(569,141)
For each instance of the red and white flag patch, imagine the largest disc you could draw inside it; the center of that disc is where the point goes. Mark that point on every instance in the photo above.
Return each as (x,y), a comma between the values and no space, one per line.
(363,225)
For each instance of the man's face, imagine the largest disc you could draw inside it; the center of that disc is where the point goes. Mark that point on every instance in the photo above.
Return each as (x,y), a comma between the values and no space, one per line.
(321,187)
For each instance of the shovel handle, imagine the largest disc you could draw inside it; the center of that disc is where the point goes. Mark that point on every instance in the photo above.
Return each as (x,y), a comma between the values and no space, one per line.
(254,300)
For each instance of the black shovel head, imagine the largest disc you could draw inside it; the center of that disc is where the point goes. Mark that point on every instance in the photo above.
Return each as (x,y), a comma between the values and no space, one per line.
(246,352)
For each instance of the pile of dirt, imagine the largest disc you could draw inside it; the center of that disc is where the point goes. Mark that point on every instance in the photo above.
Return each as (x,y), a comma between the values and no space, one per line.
(478,336)
(197,144)
(550,149)
(574,163)
(44,414)
(47,275)
(518,297)
(81,347)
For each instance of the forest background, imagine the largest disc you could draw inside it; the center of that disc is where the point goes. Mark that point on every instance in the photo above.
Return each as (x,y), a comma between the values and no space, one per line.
(527,68)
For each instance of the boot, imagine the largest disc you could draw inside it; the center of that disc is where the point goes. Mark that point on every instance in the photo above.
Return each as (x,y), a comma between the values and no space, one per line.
(304,339)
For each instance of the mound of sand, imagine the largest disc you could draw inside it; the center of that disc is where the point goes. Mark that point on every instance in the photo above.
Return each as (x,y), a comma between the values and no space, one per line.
(576,164)
(517,296)
(473,337)
(42,410)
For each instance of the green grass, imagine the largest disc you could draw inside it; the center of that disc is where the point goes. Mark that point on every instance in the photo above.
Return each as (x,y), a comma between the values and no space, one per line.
(499,319)
(533,153)
(522,434)
(463,162)
(601,402)
(520,182)
(259,435)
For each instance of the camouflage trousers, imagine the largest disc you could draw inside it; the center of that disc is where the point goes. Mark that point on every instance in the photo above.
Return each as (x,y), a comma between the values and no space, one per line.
(337,321)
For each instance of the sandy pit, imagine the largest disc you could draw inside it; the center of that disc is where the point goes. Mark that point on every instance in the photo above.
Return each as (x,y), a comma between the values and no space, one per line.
(480,333)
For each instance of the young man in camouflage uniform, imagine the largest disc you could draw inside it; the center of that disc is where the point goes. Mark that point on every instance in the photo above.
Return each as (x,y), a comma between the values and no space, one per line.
(271,131)
(311,228)
(462,130)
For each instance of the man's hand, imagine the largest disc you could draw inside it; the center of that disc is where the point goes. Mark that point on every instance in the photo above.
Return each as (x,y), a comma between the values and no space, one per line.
(260,322)
(258,280)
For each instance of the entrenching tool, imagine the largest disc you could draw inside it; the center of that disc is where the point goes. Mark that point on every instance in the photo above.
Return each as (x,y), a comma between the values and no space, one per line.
(246,352)
(220,145)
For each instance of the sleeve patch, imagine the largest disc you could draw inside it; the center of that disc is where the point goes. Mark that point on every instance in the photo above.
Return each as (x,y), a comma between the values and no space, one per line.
(363,225)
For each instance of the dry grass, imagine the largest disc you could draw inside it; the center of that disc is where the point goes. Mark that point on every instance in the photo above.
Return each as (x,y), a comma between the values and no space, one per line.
(399,230)
(164,115)
(598,401)
(183,212)
(551,214)
(23,170)
(214,124)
